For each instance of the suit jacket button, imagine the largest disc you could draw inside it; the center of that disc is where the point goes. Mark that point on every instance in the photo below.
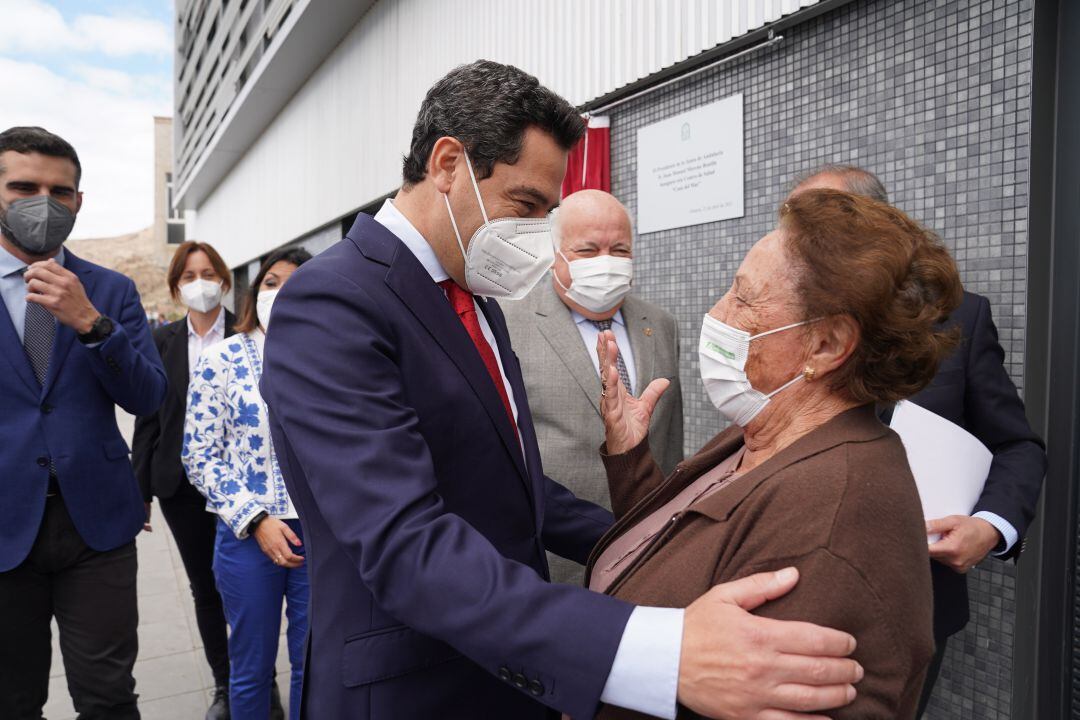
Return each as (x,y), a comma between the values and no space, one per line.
(520,682)
(504,674)
(536,688)
(46,408)
(43,462)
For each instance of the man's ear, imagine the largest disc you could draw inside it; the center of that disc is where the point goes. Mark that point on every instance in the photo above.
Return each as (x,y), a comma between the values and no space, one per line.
(78,202)
(443,162)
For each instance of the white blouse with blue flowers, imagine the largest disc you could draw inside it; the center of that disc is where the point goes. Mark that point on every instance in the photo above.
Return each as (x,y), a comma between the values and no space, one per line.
(227,450)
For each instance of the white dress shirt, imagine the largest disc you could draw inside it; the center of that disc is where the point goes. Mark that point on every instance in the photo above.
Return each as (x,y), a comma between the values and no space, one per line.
(645,673)
(197,343)
(589,334)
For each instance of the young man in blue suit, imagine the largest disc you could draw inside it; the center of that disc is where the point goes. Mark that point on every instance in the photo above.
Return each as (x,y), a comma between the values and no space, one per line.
(73,345)
(401,424)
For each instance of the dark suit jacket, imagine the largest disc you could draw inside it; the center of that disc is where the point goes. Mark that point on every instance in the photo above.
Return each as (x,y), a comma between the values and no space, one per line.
(155,447)
(72,420)
(973,390)
(424,524)
(839,504)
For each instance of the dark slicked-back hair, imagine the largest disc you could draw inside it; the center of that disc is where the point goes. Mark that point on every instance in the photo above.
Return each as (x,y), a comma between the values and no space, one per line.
(26,140)
(488,106)
(857,180)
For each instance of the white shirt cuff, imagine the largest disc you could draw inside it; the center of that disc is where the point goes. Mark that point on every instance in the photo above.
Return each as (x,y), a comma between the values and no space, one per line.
(1003,526)
(645,674)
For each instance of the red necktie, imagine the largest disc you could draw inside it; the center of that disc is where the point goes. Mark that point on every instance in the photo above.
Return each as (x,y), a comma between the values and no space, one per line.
(462,302)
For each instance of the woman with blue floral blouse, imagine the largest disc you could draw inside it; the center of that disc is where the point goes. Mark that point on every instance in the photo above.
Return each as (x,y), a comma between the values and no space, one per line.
(259,552)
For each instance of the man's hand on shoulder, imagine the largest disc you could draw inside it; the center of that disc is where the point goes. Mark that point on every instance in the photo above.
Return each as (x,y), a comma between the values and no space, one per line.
(738,665)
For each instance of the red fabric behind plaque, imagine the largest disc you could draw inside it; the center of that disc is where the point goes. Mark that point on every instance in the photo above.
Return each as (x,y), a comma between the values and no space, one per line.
(589,163)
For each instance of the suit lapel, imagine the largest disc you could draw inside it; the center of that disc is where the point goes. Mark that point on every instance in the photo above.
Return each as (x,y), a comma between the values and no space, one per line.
(65,336)
(408,279)
(175,358)
(557,326)
(512,370)
(12,348)
(642,342)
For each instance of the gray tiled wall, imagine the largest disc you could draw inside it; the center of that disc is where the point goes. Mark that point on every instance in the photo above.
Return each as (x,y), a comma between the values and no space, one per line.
(933,97)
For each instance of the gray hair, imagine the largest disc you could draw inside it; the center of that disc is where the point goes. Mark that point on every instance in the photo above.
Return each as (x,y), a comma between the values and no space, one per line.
(857,180)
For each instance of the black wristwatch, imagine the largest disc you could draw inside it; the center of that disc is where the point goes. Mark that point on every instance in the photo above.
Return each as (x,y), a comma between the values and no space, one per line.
(254,522)
(99,332)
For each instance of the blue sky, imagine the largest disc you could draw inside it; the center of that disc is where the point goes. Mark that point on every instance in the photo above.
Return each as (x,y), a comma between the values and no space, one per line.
(156,11)
(95,72)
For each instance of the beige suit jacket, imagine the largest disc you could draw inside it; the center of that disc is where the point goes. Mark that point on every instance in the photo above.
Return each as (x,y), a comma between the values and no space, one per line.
(564,392)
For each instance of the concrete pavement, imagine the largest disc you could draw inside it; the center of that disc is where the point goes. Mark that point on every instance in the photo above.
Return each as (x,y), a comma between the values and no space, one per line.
(171,675)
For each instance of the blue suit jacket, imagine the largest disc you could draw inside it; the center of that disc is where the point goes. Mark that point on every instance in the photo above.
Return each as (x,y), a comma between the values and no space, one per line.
(425,527)
(72,419)
(973,390)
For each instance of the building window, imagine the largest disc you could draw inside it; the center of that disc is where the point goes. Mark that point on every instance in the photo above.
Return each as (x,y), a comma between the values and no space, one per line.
(171,212)
(175,232)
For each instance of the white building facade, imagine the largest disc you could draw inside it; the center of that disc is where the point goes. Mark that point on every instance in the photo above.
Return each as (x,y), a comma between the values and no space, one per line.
(316,127)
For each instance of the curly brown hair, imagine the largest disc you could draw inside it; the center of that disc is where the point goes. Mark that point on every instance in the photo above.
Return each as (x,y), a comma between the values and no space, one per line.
(865,259)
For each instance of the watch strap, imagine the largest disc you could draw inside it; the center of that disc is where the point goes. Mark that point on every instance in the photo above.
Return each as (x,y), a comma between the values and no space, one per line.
(99,331)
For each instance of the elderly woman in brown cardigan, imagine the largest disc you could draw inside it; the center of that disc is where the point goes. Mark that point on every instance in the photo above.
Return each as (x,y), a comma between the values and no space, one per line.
(834,311)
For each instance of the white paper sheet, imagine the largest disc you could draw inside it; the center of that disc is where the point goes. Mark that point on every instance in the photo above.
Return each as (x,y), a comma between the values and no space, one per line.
(950,464)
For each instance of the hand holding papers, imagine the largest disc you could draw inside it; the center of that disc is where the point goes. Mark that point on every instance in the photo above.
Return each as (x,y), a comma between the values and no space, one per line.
(950,465)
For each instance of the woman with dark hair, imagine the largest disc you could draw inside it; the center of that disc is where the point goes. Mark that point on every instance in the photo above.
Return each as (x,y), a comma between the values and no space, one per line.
(198,277)
(834,311)
(258,555)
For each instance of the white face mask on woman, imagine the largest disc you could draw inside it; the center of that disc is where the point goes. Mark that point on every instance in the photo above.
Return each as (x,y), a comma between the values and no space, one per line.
(507,256)
(722,352)
(598,283)
(263,303)
(201,295)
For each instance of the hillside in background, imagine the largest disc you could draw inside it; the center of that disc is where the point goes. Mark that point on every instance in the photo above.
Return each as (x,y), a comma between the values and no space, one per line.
(140,258)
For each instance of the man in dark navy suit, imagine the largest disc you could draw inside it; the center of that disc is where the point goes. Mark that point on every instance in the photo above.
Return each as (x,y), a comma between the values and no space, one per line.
(973,390)
(399,417)
(73,345)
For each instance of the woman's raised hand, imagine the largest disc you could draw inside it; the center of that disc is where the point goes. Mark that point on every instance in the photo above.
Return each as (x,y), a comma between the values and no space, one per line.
(626,418)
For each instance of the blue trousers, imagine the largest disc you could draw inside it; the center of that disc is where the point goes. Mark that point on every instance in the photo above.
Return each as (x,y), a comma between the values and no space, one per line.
(252,589)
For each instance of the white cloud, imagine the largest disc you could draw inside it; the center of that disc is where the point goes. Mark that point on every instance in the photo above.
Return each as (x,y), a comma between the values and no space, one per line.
(33,27)
(109,120)
(123,83)
(114,81)
(120,37)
